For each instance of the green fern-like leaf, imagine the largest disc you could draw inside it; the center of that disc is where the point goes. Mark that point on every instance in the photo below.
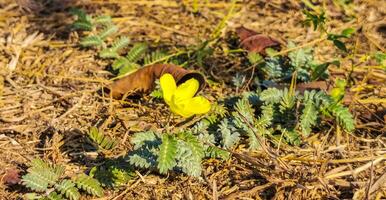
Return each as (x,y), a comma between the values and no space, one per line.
(167,154)
(81,14)
(272,68)
(244,119)
(308,118)
(128,69)
(101,140)
(190,154)
(215,152)
(120,43)
(84,21)
(194,144)
(244,110)
(68,189)
(271,95)
(89,184)
(33,196)
(53,196)
(139,139)
(119,63)
(155,57)
(38,163)
(103,20)
(121,177)
(252,140)
(254,57)
(188,160)
(266,117)
(135,53)
(301,60)
(108,53)
(113,173)
(157,93)
(343,117)
(230,136)
(91,41)
(288,100)
(291,136)
(140,161)
(35,182)
(41,175)
(83,25)
(107,31)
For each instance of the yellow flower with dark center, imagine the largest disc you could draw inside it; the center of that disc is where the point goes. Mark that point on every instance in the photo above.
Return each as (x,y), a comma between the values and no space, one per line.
(181,99)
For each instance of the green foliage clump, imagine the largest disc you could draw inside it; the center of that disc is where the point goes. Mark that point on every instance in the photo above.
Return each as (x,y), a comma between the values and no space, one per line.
(278,114)
(99,29)
(280,69)
(113,173)
(48,180)
(319,22)
(100,140)
(182,151)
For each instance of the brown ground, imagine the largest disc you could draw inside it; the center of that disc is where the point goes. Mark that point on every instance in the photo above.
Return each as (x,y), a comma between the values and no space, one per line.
(48,101)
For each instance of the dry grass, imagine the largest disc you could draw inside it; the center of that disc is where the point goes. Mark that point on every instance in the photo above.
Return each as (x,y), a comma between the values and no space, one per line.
(48,101)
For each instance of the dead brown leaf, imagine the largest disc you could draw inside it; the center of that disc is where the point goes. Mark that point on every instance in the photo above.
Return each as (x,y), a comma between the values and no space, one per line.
(255,42)
(11,176)
(142,80)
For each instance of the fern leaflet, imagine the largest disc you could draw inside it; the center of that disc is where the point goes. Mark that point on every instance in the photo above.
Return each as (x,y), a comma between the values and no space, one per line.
(167,154)
(101,140)
(228,139)
(107,31)
(308,118)
(343,117)
(91,41)
(108,53)
(120,43)
(89,185)
(104,20)
(135,53)
(68,189)
(155,57)
(271,95)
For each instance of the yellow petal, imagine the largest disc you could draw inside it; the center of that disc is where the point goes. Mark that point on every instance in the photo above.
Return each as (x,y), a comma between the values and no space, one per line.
(186,90)
(190,107)
(168,86)
(198,105)
(182,112)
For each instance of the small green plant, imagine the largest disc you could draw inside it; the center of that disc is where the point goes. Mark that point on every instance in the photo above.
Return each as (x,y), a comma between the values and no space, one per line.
(318,21)
(157,92)
(280,69)
(281,115)
(183,152)
(49,181)
(336,38)
(100,140)
(99,29)
(113,173)
(381,59)
(278,114)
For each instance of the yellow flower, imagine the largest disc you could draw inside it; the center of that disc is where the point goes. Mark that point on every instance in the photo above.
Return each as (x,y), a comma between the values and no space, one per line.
(181,99)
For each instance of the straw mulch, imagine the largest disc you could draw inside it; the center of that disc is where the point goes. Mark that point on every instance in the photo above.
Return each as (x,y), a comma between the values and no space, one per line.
(48,99)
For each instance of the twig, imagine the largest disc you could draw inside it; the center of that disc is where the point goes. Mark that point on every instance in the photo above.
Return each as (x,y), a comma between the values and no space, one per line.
(357,170)
(214,190)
